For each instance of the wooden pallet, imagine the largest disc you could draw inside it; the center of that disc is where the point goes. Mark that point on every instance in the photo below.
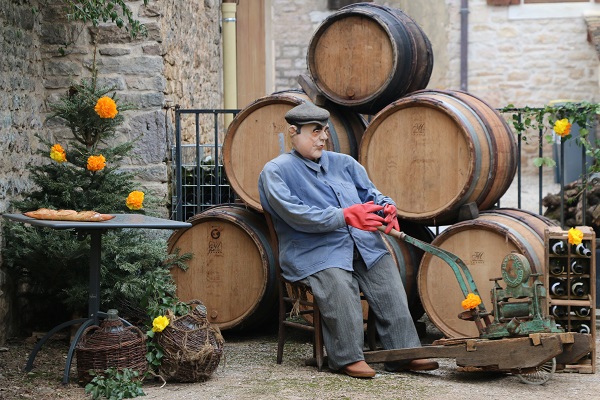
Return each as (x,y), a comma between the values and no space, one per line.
(515,355)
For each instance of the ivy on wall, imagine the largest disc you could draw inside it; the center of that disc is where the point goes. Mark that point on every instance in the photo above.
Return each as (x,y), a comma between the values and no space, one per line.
(96,11)
(548,118)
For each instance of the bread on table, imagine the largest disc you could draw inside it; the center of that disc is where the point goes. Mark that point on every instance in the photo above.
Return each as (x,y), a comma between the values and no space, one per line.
(68,215)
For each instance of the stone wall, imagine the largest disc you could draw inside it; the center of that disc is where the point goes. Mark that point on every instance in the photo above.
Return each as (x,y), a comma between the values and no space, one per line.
(22,95)
(20,101)
(193,64)
(510,60)
(529,62)
(294,23)
(177,63)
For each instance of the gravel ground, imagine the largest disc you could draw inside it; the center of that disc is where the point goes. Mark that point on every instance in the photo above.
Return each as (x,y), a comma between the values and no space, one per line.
(249,371)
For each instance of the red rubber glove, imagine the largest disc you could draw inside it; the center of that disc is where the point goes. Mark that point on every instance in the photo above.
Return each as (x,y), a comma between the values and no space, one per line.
(391,218)
(361,216)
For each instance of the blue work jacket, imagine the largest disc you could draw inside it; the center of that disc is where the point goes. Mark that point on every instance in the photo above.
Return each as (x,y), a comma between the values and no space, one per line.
(306,200)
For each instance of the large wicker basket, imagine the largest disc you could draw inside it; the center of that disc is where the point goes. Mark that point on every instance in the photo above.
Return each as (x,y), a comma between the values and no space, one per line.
(110,345)
(192,346)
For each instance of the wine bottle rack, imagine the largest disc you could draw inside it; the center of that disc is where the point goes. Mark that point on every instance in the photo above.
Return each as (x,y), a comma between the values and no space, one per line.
(570,279)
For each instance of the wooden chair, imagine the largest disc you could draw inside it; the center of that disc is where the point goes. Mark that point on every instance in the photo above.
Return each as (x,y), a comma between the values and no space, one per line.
(299,310)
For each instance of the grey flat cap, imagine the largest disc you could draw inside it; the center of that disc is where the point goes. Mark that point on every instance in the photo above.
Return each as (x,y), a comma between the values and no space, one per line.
(307,113)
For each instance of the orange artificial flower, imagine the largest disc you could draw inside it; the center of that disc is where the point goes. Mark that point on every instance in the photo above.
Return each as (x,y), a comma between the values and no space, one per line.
(471,301)
(135,200)
(106,107)
(96,163)
(562,127)
(57,153)
(575,236)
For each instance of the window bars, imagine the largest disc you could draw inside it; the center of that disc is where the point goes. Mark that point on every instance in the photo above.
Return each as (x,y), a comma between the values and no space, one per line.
(199,177)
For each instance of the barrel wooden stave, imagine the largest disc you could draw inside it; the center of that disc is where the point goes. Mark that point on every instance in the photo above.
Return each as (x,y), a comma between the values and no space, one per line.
(365,56)
(408,259)
(501,145)
(233,268)
(481,244)
(258,134)
(435,151)
(422,61)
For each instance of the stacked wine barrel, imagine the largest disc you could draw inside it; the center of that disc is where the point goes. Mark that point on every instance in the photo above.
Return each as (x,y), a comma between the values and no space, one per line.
(437,153)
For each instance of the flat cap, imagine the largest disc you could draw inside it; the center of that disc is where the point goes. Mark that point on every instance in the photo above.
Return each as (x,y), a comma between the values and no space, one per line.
(307,113)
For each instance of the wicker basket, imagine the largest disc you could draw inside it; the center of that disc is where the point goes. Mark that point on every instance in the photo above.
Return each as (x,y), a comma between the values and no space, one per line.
(192,346)
(110,345)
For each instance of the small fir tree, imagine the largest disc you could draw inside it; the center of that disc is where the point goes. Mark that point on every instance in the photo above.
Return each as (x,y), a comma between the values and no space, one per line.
(83,174)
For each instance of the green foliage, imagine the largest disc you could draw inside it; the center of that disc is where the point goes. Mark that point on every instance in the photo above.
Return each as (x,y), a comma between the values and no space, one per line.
(115,11)
(76,108)
(159,301)
(543,119)
(141,275)
(135,268)
(154,352)
(135,263)
(162,304)
(547,161)
(47,260)
(70,185)
(115,384)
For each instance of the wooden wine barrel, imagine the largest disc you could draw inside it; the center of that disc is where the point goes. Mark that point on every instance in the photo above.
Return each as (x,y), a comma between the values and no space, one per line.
(258,134)
(232,270)
(481,244)
(435,151)
(365,56)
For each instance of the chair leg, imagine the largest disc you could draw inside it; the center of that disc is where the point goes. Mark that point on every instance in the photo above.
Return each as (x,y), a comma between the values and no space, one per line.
(371,330)
(280,343)
(318,340)
(281,329)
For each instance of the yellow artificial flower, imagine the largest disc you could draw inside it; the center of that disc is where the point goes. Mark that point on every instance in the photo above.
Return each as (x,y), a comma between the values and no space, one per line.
(575,236)
(135,200)
(57,153)
(562,127)
(471,301)
(106,107)
(96,163)
(160,323)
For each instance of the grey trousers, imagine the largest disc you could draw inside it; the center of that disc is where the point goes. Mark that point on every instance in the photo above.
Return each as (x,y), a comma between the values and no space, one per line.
(337,293)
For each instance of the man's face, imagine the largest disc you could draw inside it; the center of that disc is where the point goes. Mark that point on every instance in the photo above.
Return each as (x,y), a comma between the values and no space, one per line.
(310,141)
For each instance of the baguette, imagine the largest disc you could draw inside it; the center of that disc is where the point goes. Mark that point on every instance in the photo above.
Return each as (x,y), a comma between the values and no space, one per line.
(68,215)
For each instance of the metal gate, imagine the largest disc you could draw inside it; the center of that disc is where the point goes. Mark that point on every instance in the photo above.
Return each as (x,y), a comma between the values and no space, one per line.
(199,177)
(200,182)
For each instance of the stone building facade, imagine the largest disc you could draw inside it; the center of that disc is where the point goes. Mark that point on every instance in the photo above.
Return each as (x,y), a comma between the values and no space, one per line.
(522,57)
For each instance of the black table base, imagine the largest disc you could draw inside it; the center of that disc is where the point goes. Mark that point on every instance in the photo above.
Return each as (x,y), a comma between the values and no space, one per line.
(95,230)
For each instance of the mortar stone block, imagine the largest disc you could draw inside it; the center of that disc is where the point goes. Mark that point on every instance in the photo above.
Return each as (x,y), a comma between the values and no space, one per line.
(151,147)
(144,65)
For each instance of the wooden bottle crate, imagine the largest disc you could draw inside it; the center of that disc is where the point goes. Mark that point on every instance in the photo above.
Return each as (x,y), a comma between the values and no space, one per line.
(564,271)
